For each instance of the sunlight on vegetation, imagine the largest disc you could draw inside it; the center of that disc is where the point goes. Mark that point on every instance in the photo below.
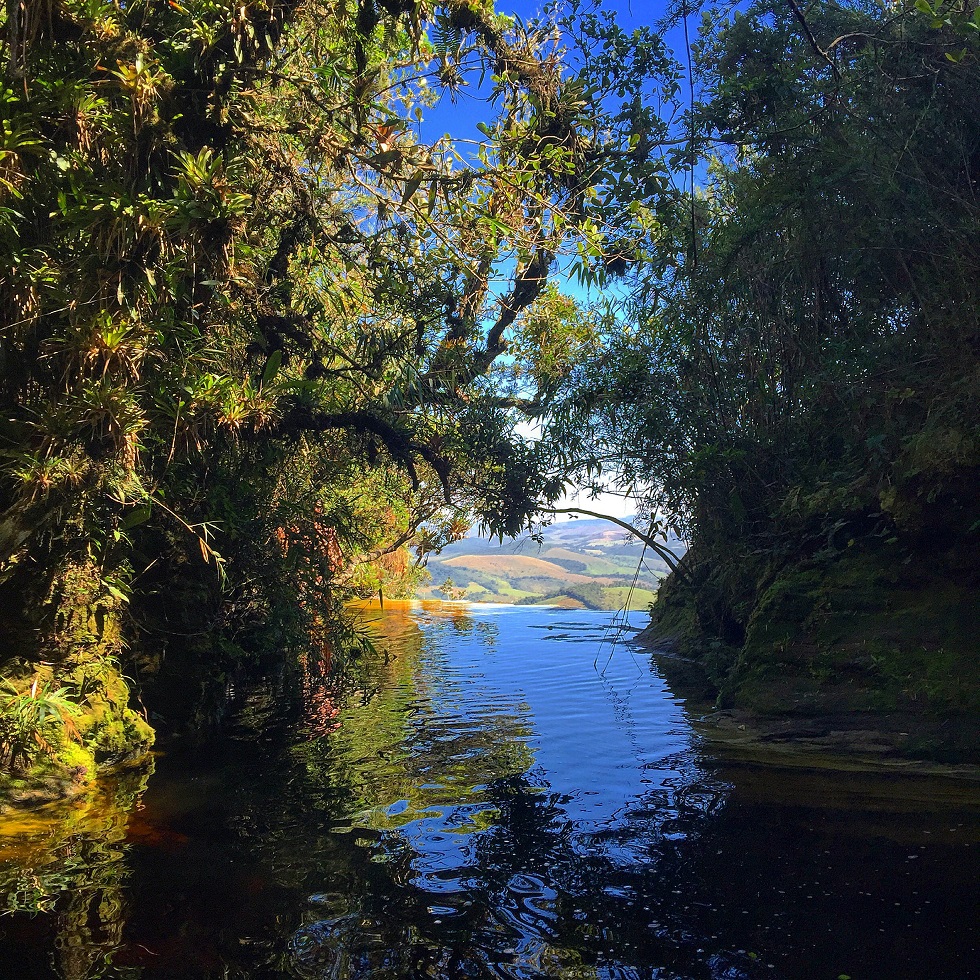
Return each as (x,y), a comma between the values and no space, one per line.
(268,340)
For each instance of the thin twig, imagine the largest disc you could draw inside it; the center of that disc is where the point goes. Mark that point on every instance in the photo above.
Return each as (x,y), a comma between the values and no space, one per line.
(811,40)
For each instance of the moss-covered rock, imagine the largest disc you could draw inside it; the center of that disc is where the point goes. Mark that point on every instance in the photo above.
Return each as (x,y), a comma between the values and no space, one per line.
(865,632)
(65,712)
(868,637)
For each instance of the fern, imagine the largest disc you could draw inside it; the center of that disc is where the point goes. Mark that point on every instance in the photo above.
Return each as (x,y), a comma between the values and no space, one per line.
(36,718)
(446,38)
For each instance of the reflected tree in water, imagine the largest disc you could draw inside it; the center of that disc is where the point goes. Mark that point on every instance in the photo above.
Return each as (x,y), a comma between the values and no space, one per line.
(76,870)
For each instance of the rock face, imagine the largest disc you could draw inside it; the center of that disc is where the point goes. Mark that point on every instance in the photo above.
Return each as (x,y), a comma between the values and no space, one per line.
(866,648)
(65,712)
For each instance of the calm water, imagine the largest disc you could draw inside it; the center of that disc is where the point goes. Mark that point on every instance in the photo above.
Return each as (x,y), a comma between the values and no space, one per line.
(501,793)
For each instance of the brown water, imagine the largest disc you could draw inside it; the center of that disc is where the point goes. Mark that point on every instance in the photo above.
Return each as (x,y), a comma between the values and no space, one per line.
(500,792)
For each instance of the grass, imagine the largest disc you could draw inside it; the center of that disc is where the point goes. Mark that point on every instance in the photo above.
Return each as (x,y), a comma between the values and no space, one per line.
(594,565)
(618,596)
(517,566)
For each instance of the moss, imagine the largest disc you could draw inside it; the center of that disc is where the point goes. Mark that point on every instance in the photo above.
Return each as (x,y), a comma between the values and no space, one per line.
(67,772)
(673,622)
(109,726)
(89,723)
(122,739)
(78,761)
(862,636)
(78,619)
(871,631)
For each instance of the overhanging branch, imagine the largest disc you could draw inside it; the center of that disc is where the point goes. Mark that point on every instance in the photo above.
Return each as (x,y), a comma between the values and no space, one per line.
(400,445)
(672,561)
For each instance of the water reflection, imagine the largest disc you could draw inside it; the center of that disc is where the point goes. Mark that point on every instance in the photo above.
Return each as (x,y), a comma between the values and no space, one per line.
(496,793)
(69,864)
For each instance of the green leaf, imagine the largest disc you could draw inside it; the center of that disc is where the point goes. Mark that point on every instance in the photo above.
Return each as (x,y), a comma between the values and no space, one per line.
(411,186)
(135,517)
(272,367)
(115,592)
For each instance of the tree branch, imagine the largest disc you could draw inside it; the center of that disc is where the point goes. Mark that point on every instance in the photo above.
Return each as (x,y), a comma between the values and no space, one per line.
(811,40)
(673,562)
(399,444)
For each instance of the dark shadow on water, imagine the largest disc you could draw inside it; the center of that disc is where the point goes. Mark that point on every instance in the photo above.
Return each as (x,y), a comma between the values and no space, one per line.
(479,801)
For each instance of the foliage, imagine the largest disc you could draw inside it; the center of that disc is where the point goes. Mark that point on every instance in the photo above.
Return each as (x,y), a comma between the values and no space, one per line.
(35,719)
(252,314)
(801,375)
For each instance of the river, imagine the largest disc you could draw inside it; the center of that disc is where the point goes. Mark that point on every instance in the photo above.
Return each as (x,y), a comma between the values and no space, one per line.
(504,792)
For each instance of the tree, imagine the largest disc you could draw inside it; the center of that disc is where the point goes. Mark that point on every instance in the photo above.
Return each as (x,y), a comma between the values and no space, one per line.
(235,279)
(803,374)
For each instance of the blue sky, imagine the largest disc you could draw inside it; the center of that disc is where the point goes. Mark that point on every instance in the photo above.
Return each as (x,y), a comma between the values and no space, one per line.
(459,118)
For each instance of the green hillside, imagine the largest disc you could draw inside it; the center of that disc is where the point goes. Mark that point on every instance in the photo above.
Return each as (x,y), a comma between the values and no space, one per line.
(578,564)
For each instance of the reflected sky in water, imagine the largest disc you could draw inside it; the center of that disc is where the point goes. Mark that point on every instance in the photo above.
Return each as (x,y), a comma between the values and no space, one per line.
(497,792)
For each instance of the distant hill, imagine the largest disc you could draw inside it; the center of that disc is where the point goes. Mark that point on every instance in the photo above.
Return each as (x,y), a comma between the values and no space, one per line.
(577,564)
(518,566)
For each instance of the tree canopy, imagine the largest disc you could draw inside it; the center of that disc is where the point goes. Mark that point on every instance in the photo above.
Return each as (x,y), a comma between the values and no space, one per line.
(256,316)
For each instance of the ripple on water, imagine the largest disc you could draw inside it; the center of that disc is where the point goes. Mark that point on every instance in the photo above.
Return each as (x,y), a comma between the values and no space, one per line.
(509,794)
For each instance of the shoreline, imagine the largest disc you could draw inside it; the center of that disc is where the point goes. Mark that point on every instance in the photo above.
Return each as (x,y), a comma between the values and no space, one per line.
(842,741)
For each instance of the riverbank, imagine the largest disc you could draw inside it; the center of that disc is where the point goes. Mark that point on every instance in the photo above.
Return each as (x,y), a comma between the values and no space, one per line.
(812,729)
